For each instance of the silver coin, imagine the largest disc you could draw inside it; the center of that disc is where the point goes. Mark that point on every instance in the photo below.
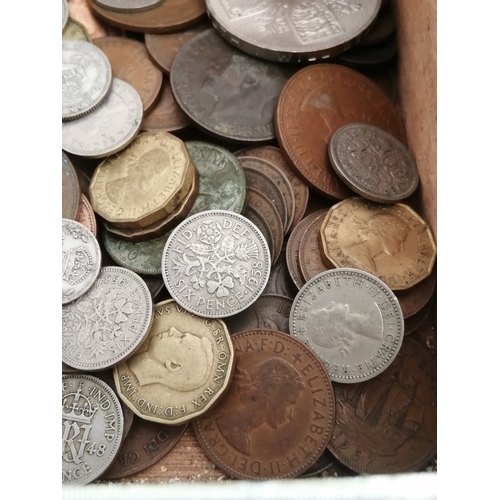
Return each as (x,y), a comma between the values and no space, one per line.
(86,78)
(131,6)
(109,128)
(351,320)
(216,263)
(65,13)
(92,428)
(373,163)
(292,31)
(109,323)
(81,260)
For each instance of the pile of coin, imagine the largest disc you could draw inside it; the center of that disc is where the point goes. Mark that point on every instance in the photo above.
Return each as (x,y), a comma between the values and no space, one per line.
(242,248)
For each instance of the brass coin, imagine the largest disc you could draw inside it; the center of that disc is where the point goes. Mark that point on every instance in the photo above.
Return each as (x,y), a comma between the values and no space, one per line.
(71,191)
(75,31)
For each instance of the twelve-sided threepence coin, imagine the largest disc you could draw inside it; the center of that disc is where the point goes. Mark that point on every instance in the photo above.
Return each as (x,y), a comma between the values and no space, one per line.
(86,78)
(216,263)
(109,128)
(92,428)
(130,6)
(81,260)
(109,323)
(351,320)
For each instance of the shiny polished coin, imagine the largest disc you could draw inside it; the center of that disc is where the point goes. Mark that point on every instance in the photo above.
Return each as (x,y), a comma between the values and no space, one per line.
(390,241)
(216,263)
(260,221)
(226,93)
(309,249)
(181,371)
(86,215)
(71,190)
(292,32)
(171,15)
(107,324)
(278,415)
(108,129)
(129,6)
(373,163)
(223,184)
(130,62)
(144,183)
(65,13)
(81,260)
(86,78)
(92,428)
(351,320)
(75,31)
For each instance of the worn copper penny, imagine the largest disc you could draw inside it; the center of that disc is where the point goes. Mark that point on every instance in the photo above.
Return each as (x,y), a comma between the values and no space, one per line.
(268,312)
(309,249)
(79,10)
(163,48)
(71,191)
(280,282)
(277,416)
(276,157)
(260,221)
(146,443)
(86,215)
(389,424)
(171,15)
(262,204)
(166,116)
(313,104)
(130,62)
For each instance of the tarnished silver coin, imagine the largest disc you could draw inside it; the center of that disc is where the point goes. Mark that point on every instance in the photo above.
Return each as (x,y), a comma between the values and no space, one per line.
(225,92)
(351,320)
(109,323)
(92,428)
(130,6)
(86,78)
(222,181)
(109,128)
(65,13)
(373,163)
(216,263)
(81,260)
(292,31)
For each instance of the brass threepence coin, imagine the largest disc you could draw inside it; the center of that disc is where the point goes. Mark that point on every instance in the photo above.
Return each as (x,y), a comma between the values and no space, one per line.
(226,93)
(109,128)
(351,320)
(373,163)
(81,260)
(144,183)
(86,215)
(65,13)
(130,62)
(278,415)
(71,191)
(146,443)
(280,281)
(295,31)
(276,157)
(108,323)
(309,249)
(181,371)
(314,103)
(76,31)
(216,263)
(86,78)
(130,6)
(389,241)
(388,425)
(223,184)
(92,428)
(171,15)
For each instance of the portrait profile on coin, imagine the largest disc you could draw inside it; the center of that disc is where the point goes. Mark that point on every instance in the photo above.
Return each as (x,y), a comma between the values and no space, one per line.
(267,395)
(178,360)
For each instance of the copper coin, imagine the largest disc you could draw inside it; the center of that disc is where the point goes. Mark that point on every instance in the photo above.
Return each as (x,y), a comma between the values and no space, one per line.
(79,10)
(71,191)
(280,281)
(268,312)
(265,207)
(275,174)
(309,249)
(417,320)
(164,48)
(260,221)
(86,215)
(172,15)
(276,157)
(314,103)
(389,424)
(261,182)
(277,416)
(130,62)
(166,116)
(146,443)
